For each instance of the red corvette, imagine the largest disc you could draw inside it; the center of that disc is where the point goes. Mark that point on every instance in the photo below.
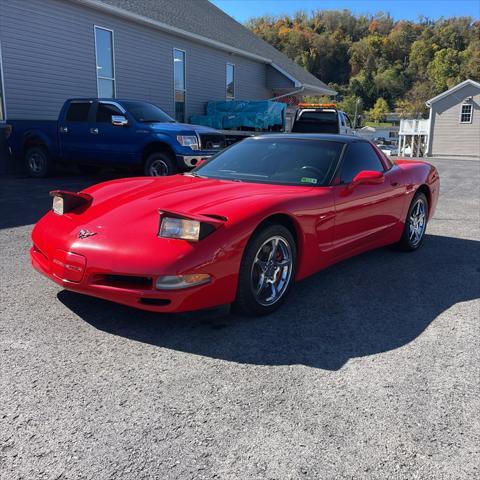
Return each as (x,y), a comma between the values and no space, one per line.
(238,229)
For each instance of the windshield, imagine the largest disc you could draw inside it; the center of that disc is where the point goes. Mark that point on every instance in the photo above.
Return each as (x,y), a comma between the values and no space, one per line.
(316,121)
(284,161)
(147,112)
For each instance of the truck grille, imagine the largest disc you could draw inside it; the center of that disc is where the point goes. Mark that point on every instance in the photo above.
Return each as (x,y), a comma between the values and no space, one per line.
(212,141)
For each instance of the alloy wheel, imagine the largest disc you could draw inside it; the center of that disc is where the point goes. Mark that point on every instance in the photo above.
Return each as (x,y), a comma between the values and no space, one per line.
(36,163)
(271,270)
(417,222)
(158,168)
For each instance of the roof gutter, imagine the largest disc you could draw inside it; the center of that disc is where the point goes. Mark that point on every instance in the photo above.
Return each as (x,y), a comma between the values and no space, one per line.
(294,92)
(120,12)
(325,91)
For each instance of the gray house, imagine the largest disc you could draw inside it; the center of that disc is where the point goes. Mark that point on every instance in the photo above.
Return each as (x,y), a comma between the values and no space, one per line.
(454,123)
(178,54)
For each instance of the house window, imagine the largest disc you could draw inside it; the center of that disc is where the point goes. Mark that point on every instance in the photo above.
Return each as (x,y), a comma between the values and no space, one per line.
(105,59)
(230,81)
(179,84)
(2,96)
(466,114)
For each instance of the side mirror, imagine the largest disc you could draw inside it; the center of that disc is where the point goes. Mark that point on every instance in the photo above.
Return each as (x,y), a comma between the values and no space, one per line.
(368,177)
(119,121)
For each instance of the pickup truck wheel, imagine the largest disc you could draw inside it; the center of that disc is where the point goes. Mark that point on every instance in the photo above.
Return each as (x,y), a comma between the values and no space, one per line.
(38,162)
(159,165)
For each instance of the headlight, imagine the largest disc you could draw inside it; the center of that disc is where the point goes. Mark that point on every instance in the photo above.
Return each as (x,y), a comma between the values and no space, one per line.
(58,205)
(65,202)
(179,228)
(188,141)
(174,282)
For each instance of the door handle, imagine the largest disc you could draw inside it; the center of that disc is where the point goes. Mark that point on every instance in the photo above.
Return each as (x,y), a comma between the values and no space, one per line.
(94,131)
(394,184)
(64,129)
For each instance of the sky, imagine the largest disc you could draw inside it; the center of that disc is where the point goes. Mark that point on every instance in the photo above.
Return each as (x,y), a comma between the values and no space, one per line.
(242,10)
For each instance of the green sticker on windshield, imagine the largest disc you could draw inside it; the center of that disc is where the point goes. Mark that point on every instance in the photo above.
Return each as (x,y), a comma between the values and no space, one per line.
(308,180)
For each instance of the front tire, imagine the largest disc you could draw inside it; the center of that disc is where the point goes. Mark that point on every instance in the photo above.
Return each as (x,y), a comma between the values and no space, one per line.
(38,162)
(415,224)
(267,271)
(160,164)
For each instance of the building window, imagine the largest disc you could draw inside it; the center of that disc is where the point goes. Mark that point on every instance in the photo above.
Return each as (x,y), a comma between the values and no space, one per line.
(179,84)
(466,114)
(2,94)
(230,81)
(105,56)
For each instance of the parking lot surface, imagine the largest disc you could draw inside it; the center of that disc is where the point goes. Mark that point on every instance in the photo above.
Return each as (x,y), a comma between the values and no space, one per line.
(370,370)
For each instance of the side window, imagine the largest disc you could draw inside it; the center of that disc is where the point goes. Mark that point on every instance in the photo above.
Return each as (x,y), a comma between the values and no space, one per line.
(347,121)
(78,112)
(105,112)
(360,156)
(342,119)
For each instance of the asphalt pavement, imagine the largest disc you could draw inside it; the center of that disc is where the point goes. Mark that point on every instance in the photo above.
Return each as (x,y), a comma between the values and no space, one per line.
(370,370)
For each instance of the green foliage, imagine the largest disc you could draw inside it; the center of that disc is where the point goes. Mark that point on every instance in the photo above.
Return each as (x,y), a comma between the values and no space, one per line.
(379,111)
(351,105)
(404,63)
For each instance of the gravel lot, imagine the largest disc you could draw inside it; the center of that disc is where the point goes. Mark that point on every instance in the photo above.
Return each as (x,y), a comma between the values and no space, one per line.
(370,370)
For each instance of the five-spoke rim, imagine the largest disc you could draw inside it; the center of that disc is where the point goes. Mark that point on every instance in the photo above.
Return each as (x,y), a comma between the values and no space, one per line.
(418,222)
(36,162)
(271,270)
(158,168)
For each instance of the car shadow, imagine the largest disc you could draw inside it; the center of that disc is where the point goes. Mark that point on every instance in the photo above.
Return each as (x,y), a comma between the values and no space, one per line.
(24,200)
(370,304)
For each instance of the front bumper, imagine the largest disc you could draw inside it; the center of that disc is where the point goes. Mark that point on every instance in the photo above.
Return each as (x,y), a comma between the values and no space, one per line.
(72,272)
(190,161)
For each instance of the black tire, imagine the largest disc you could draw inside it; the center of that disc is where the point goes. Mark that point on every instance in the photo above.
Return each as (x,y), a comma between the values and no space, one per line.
(247,301)
(411,241)
(38,162)
(160,164)
(89,169)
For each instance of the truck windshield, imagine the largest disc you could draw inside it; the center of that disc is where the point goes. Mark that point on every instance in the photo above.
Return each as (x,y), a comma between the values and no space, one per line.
(283,161)
(316,122)
(147,112)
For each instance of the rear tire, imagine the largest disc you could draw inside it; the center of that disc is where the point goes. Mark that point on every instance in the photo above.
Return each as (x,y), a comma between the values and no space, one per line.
(160,164)
(38,162)
(415,224)
(267,271)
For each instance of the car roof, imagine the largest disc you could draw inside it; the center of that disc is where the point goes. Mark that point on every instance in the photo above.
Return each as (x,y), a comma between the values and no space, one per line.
(331,137)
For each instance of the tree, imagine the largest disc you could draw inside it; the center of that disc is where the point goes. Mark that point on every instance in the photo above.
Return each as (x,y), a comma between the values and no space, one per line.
(444,69)
(421,54)
(379,111)
(352,105)
(372,57)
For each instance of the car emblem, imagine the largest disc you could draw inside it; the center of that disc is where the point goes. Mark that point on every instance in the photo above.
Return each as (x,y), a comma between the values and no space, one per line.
(85,234)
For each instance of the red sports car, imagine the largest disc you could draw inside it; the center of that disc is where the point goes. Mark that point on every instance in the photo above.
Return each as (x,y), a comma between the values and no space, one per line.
(240,228)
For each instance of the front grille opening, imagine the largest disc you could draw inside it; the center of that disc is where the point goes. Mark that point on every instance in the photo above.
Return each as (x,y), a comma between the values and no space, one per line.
(212,141)
(158,302)
(133,282)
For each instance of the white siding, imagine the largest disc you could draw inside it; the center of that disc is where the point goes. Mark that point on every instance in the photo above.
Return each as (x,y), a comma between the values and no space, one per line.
(49,56)
(448,135)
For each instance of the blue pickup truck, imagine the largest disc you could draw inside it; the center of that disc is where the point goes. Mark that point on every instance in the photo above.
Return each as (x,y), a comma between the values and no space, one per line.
(95,133)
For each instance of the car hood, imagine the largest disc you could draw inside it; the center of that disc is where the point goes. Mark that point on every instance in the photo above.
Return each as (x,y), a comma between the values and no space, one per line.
(180,128)
(185,194)
(129,200)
